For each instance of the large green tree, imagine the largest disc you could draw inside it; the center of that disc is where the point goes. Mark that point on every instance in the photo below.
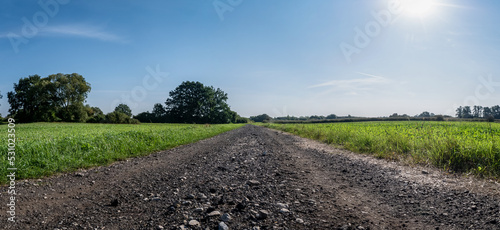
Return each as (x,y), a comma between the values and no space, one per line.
(56,97)
(71,90)
(192,102)
(123,108)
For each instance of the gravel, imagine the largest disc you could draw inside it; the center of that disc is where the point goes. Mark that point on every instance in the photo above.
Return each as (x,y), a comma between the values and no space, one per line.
(251,178)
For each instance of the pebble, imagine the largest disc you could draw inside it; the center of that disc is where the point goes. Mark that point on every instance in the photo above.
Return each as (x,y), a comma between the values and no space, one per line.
(223,226)
(262,214)
(194,223)
(202,196)
(281,205)
(190,196)
(226,217)
(253,182)
(284,210)
(214,213)
(79,174)
(160,227)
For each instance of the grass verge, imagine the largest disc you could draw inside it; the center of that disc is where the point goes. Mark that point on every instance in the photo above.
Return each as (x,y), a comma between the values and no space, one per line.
(43,149)
(464,147)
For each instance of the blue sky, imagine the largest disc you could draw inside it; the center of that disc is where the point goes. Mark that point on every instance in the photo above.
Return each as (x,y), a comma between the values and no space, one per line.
(281,57)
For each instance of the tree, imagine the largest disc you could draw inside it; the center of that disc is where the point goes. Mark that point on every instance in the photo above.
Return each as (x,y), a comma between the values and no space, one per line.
(145,117)
(477,111)
(121,115)
(33,99)
(466,112)
(159,113)
(425,114)
(331,116)
(487,112)
(261,118)
(241,119)
(71,90)
(56,97)
(117,117)
(460,112)
(95,114)
(495,111)
(123,108)
(192,102)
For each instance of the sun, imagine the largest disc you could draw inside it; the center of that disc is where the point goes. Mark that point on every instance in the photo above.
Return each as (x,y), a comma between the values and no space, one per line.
(419,8)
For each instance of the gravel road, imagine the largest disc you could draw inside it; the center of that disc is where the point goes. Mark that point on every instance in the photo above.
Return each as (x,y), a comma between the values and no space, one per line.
(255,178)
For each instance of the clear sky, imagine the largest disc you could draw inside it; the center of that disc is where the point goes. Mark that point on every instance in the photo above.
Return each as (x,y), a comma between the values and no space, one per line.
(280,57)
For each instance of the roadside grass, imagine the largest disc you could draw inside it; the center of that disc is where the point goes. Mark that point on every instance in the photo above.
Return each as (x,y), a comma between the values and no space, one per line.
(43,149)
(463,147)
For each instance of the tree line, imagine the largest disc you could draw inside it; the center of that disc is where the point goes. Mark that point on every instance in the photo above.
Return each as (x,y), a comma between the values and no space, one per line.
(478,112)
(61,97)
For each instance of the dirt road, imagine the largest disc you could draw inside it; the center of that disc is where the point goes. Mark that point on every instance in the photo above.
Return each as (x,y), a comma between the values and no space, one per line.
(255,178)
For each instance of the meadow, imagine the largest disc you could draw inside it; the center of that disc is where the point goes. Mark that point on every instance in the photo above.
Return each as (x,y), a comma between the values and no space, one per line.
(43,149)
(464,147)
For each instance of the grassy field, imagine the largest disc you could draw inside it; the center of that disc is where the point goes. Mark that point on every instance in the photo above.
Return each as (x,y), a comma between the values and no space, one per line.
(46,148)
(470,147)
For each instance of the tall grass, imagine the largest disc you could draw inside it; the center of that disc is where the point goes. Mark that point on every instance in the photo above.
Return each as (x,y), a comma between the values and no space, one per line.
(456,146)
(43,149)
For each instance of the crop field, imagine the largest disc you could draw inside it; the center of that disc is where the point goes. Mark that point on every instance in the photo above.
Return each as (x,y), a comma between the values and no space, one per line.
(43,149)
(468,147)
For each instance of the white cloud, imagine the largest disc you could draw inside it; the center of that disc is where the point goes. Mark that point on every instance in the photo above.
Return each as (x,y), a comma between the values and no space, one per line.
(84,31)
(354,86)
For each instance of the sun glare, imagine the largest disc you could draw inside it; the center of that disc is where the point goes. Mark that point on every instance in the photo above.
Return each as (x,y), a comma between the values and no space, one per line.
(419,8)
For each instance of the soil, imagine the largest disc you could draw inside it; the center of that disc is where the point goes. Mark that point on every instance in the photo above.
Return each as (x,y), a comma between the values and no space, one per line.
(255,178)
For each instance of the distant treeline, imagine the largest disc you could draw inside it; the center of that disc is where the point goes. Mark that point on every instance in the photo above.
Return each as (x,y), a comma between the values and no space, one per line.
(478,112)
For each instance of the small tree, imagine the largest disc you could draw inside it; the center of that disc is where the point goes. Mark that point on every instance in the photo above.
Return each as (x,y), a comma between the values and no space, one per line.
(331,116)
(94,114)
(123,108)
(466,112)
(159,113)
(120,118)
(495,111)
(261,118)
(460,112)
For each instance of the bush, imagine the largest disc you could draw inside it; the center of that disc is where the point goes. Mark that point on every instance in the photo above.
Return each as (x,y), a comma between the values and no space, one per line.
(242,120)
(100,118)
(120,118)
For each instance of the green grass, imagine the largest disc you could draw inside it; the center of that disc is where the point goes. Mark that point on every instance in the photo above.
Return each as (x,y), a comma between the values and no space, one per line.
(465,147)
(43,149)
